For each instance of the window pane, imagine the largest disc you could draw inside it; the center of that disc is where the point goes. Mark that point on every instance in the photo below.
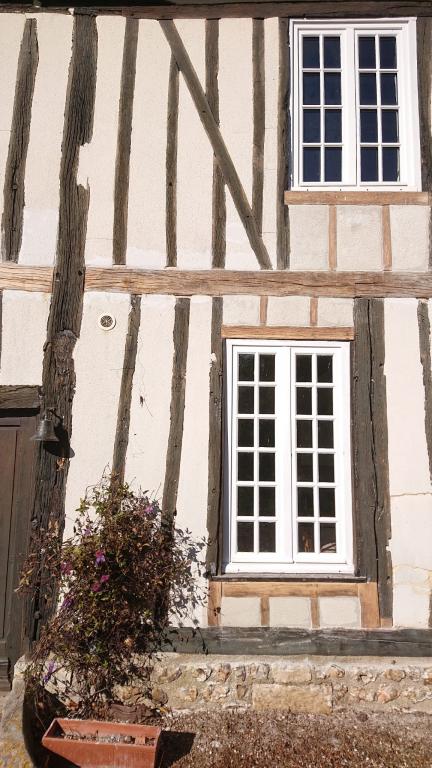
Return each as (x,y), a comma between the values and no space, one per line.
(311,125)
(246,367)
(245,500)
(368,125)
(245,399)
(245,466)
(388,89)
(327,538)
(304,401)
(325,369)
(266,399)
(367,53)
(390,129)
(390,164)
(333,125)
(267,367)
(303,368)
(388,53)
(304,434)
(306,537)
(267,538)
(332,88)
(311,164)
(332,52)
(326,468)
(325,401)
(305,502)
(245,433)
(311,56)
(266,433)
(333,164)
(245,537)
(325,434)
(368,89)
(267,467)
(311,88)
(369,163)
(304,467)
(327,502)
(267,506)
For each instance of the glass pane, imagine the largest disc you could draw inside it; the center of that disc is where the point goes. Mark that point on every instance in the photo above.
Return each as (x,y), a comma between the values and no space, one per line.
(333,125)
(325,434)
(369,163)
(306,537)
(305,502)
(311,88)
(246,367)
(368,89)
(325,401)
(332,88)
(245,500)
(311,164)
(368,125)
(266,399)
(326,468)
(390,159)
(245,399)
(311,125)
(390,128)
(367,53)
(266,467)
(327,502)
(245,433)
(267,506)
(327,538)
(245,466)
(267,538)
(266,433)
(388,53)
(311,56)
(333,164)
(325,368)
(305,467)
(332,52)
(304,434)
(303,368)
(304,401)
(267,367)
(245,537)
(389,89)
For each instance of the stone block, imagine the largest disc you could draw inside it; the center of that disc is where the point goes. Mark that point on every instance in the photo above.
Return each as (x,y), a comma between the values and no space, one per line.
(339,612)
(315,699)
(288,310)
(290,612)
(411,605)
(335,312)
(241,310)
(292,675)
(308,237)
(241,612)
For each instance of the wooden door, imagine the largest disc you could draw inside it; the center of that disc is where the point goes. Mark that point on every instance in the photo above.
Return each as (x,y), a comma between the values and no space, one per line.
(17,459)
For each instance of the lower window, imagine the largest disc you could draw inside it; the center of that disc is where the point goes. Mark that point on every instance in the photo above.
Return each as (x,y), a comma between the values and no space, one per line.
(289,495)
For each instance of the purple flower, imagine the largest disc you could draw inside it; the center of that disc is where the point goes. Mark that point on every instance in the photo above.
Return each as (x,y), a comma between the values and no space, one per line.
(104,579)
(50,671)
(66,568)
(67,603)
(95,587)
(100,556)
(87,531)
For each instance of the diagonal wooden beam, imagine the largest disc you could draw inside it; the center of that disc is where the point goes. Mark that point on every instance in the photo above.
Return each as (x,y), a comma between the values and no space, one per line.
(220,150)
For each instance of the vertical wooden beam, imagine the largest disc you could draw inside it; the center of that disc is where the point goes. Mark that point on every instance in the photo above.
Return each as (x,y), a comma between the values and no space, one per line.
(218,192)
(283,132)
(214,496)
(265,611)
(214,603)
(315,611)
(332,238)
(121,439)
(424,79)
(64,320)
(369,609)
(386,237)
(258,69)
(178,393)
(313,310)
(263,310)
(425,359)
(171,164)
(13,194)
(121,184)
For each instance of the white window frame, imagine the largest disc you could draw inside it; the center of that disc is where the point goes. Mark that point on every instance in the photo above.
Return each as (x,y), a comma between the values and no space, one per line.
(410,166)
(285,559)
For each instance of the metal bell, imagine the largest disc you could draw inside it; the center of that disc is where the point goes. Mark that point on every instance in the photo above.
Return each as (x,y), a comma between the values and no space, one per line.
(45,432)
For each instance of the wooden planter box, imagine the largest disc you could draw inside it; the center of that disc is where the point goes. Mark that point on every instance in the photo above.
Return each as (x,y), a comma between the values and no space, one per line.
(140,752)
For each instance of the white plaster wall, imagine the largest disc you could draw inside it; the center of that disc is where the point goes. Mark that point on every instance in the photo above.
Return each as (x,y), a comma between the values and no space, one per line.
(23,334)
(98,359)
(359,240)
(271,63)
(288,310)
(42,190)
(410,237)
(308,237)
(335,312)
(241,310)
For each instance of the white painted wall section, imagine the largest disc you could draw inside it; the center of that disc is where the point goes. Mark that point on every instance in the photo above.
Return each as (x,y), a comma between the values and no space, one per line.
(410,237)
(359,237)
(24,323)
(308,237)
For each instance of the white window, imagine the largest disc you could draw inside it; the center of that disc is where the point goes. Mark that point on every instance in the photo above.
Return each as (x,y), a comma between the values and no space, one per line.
(355,105)
(289,484)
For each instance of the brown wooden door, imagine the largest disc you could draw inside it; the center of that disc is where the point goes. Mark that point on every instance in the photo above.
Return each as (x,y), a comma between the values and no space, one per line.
(17,458)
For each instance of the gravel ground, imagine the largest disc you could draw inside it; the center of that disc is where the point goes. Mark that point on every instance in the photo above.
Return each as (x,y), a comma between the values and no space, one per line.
(280,740)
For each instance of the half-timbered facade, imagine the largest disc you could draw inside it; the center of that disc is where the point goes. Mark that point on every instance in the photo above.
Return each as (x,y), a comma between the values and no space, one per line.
(215,280)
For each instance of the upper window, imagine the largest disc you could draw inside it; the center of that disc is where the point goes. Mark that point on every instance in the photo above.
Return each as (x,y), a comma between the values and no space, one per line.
(289,459)
(355,108)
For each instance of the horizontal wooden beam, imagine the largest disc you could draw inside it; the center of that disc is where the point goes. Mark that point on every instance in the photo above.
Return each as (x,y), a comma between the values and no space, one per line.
(357,198)
(288,589)
(221,282)
(19,397)
(286,332)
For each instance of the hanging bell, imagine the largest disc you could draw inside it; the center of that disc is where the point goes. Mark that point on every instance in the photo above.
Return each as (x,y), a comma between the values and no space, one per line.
(45,432)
